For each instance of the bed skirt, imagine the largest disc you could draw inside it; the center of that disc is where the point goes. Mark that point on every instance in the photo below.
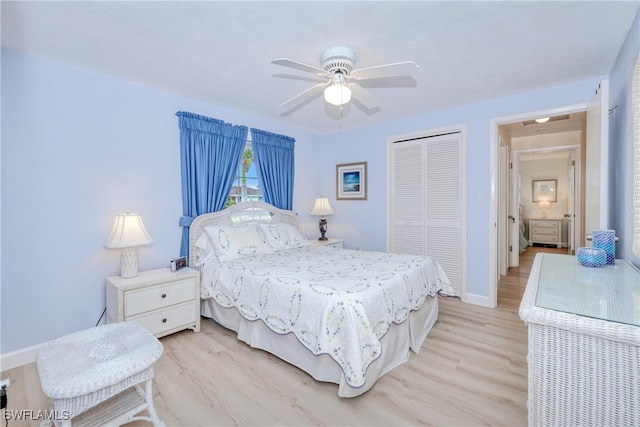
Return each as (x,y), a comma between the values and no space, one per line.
(396,344)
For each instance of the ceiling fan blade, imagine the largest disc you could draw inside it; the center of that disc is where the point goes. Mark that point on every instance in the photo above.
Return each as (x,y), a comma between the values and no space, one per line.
(301,77)
(388,82)
(286,62)
(362,96)
(385,70)
(304,95)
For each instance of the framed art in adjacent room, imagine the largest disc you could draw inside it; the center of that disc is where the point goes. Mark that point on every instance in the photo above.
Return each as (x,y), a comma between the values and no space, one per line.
(544,190)
(351,181)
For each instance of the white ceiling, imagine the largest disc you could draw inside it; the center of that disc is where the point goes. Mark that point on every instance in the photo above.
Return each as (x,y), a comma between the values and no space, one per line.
(220,52)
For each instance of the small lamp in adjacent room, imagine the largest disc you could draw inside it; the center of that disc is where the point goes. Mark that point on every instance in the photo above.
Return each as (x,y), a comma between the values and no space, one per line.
(127,234)
(322,208)
(544,205)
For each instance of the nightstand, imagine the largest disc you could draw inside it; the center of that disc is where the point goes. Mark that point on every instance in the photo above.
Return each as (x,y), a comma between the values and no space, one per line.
(335,243)
(161,301)
(545,230)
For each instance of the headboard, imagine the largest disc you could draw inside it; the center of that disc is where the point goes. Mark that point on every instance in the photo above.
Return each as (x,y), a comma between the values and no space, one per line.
(239,214)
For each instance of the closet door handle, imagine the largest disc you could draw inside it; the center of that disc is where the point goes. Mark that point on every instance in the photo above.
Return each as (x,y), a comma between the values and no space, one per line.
(512,218)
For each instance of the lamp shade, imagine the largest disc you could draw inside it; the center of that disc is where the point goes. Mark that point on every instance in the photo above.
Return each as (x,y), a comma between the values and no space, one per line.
(337,93)
(128,230)
(322,207)
(544,204)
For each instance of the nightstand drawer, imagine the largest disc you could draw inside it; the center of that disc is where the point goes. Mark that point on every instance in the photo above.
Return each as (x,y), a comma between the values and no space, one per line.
(545,231)
(154,297)
(545,238)
(544,224)
(160,321)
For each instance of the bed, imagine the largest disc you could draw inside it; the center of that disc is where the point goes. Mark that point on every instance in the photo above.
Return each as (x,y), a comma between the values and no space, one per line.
(523,242)
(343,316)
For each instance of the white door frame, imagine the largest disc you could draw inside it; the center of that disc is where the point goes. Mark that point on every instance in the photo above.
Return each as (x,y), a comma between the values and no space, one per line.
(576,150)
(504,228)
(494,150)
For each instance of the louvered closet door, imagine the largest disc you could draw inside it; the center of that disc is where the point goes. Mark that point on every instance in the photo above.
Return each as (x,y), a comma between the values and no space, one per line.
(408,198)
(427,202)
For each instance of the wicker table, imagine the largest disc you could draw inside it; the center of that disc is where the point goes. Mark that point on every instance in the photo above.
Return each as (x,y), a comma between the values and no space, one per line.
(94,377)
(584,343)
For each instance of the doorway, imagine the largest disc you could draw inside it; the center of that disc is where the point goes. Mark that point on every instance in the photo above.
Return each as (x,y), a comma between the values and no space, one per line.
(558,139)
(545,152)
(594,163)
(552,219)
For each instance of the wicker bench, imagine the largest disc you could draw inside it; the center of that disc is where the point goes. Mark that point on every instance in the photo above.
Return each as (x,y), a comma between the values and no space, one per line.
(94,377)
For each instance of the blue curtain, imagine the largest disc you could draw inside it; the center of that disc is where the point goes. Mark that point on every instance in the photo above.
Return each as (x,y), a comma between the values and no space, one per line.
(273,155)
(210,150)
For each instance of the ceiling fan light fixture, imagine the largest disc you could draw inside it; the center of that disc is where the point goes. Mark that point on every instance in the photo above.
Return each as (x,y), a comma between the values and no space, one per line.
(337,93)
(542,120)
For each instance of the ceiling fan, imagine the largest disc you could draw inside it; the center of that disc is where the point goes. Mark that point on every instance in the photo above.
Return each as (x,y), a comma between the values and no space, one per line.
(343,81)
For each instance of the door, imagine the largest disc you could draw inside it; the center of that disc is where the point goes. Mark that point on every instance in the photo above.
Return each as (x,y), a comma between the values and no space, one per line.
(427,202)
(571,204)
(503,214)
(597,161)
(514,209)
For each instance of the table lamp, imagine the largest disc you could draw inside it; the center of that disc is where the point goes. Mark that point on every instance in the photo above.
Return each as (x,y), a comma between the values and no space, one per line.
(127,234)
(544,205)
(322,208)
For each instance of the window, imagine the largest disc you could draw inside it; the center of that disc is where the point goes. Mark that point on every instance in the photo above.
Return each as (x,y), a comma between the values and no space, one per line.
(245,185)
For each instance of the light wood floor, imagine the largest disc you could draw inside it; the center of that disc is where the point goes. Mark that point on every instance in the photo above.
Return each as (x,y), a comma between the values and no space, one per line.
(471,371)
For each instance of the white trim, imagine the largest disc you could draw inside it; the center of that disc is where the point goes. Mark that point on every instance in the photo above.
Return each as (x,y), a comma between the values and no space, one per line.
(480,300)
(19,357)
(493,182)
(635,112)
(604,154)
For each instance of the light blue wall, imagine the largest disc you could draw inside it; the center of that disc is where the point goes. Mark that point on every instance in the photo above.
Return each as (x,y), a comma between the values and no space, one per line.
(78,148)
(364,223)
(621,143)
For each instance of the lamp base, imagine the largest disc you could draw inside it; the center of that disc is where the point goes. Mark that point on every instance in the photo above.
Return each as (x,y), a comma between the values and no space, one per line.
(323,228)
(129,262)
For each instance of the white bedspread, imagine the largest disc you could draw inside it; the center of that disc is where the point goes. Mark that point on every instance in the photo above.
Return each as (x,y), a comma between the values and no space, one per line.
(336,301)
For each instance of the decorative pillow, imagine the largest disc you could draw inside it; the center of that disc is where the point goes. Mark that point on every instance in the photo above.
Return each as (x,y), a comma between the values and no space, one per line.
(283,236)
(230,243)
(204,250)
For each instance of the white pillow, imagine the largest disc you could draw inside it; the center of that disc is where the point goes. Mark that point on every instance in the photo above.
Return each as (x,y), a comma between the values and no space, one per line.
(204,250)
(230,243)
(283,236)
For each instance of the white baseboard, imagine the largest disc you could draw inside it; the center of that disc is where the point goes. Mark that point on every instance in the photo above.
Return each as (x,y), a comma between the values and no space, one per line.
(19,357)
(477,300)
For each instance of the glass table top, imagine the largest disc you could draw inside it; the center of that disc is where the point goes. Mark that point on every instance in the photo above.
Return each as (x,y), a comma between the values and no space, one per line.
(611,292)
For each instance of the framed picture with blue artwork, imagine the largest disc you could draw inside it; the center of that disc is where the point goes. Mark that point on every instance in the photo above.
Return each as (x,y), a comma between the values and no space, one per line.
(351,181)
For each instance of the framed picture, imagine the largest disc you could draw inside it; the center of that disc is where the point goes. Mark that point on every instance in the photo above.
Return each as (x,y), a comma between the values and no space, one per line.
(351,181)
(544,190)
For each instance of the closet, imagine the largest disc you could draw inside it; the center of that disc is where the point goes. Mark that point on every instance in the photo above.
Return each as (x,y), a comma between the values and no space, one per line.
(427,196)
